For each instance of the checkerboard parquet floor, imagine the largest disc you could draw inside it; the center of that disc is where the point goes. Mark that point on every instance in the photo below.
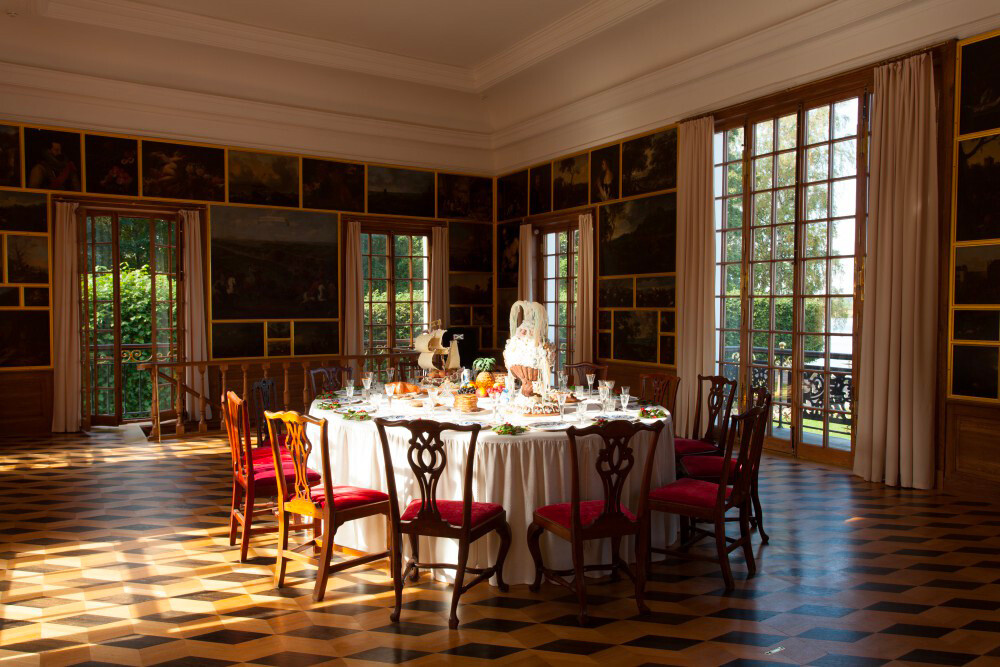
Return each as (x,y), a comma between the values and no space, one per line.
(116,553)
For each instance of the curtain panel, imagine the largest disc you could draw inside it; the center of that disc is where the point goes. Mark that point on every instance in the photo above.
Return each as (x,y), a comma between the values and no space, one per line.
(195,326)
(66,359)
(583,346)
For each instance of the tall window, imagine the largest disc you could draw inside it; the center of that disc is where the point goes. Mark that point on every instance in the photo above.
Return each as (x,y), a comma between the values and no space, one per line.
(395,269)
(559,268)
(791,196)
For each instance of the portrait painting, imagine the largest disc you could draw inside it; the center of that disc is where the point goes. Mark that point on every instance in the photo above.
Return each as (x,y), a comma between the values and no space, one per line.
(977,274)
(273,263)
(461,196)
(974,371)
(470,245)
(638,236)
(540,189)
(604,173)
(635,335)
(394,191)
(52,159)
(37,297)
(27,259)
(508,251)
(182,171)
(604,320)
(10,156)
(979,106)
(668,321)
(977,200)
(614,293)
(24,338)
(112,165)
(10,297)
(512,196)
(264,179)
(976,325)
(333,186)
(482,316)
(23,211)
(667,344)
(603,346)
(234,340)
(314,338)
(649,163)
(472,289)
(570,181)
(654,292)
(459,316)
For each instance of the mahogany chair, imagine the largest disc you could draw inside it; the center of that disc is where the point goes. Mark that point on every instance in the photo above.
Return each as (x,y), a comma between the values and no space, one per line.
(695,500)
(263,398)
(408,370)
(660,389)
(580,520)
(463,520)
(721,392)
(329,506)
(329,378)
(254,476)
(709,467)
(581,369)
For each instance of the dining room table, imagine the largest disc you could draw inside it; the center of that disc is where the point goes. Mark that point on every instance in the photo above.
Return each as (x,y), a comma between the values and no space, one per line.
(521,472)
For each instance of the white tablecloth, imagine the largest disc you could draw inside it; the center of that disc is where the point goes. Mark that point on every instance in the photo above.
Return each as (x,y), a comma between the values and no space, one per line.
(521,473)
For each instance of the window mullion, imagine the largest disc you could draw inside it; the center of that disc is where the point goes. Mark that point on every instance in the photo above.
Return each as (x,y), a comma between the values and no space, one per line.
(798,302)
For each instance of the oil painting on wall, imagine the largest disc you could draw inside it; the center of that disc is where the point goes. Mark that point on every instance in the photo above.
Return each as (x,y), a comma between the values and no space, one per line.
(312,338)
(570,181)
(23,212)
(333,186)
(232,340)
(264,179)
(649,163)
(112,165)
(183,171)
(474,289)
(977,325)
(977,274)
(508,249)
(27,259)
(512,196)
(24,338)
(635,335)
(540,189)
(461,196)
(655,292)
(470,245)
(273,263)
(604,172)
(10,156)
(977,205)
(614,293)
(638,236)
(52,159)
(974,371)
(394,191)
(979,107)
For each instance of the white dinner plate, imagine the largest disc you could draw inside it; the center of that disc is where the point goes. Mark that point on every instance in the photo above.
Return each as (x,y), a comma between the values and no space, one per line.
(392,418)
(551,426)
(615,415)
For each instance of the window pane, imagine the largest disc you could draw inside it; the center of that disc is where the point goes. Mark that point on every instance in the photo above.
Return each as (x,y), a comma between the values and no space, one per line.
(842,237)
(784,206)
(787,131)
(762,208)
(762,243)
(845,195)
(762,172)
(734,212)
(785,173)
(817,125)
(845,158)
(815,245)
(763,137)
(814,276)
(816,198)
(842,314)
(784,242)
(845,118)
(734,178)
(734,144)
(842,276)
(817,163)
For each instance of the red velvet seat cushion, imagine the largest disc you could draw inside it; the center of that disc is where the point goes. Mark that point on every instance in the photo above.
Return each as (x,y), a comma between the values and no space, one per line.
(451,511)
(561,513)
(688,491)
(265,480)
(346,497)
(707,466)
(687,446)
(262,455)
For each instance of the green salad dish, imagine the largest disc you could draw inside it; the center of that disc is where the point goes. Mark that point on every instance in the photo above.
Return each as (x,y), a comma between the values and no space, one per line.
(509,429)
(652,413)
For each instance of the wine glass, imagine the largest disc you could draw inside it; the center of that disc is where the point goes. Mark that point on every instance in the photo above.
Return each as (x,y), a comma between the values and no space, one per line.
(366,382)
(561,400)
(349,389)
(563,381)
(390,373)
(603,392)
(389,388)
(625,397)
(432,394)
(590,383)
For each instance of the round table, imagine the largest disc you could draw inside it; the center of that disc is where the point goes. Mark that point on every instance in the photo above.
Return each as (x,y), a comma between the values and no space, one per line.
(520,472)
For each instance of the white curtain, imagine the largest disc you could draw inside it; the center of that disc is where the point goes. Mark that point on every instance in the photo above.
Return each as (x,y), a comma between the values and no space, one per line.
(895,440)
(526,264)
(353,292)
(66,382)
(583,346)
(196,331)
(438,305)
(695,266)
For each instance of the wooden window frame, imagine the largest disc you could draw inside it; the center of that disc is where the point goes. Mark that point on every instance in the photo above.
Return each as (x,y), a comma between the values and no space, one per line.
(553,225)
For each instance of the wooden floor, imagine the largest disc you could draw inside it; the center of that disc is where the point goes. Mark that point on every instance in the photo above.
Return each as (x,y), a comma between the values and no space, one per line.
(116,553)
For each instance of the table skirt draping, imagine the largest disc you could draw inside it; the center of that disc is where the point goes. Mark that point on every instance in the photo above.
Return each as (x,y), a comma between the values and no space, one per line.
(521,473)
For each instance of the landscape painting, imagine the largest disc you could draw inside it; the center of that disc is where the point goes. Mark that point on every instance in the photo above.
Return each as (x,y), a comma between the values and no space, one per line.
(183,171)
(604,320)
(570,181)
(605,165)
(24,338)
(273,263)
(614,293)
(977,325)
(233,340)
(264,179)
(10,297)
(470,246)
(512,196)
(638,236)
(112,165)
(459,316)
(508,249)
(977,201)
(36,297)
(974,371)
(27,259)
(540,189)
(655,292)
(473,289)
(668,321)
(10,156)
(649,163)
(394,191)
(333,186)
(52,159)
(23,211)
(635,336)
(461,196)
(313,338)
(667,350)
(977,274)
(979,107)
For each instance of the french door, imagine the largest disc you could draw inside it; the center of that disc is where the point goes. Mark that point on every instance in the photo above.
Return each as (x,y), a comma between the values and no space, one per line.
(129,287)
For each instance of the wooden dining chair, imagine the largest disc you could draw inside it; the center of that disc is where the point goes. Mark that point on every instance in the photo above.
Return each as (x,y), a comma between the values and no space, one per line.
(709,467)
(721,392)
(606,518)
(263,398)
(256,474)
(696,500)
(660,389)
(327,505)
(464,520)
(581,369)
(319,381)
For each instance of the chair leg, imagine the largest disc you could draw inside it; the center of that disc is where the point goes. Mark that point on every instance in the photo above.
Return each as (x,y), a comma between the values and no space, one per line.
(280,561)
(723,550)
(616,549)
(415,556)
(505,539)
(396,564)
(456,593)
(233,521)
(325,554)
(642,556)
(534,534)
(247,523)
(758,513)
(317,531)
(747,543)
(685,533)
(579,581)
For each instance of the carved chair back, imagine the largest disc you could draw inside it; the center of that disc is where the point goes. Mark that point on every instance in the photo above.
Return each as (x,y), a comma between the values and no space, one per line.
(615,461)
(263,397)
(721,392)
(660,388)
(408,370)
(238,431)
(319,380)
(748,428)
(580,370)
(295,495)
(427,457)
